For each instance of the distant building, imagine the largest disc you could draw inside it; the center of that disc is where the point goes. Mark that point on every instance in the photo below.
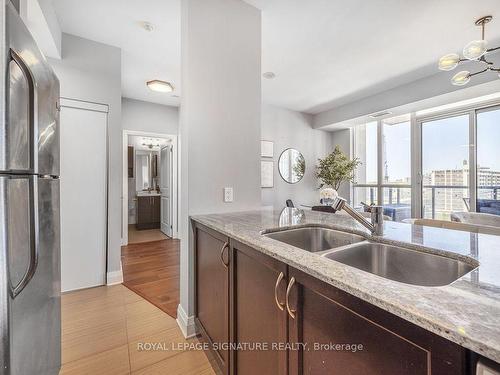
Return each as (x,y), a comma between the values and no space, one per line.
(447,200)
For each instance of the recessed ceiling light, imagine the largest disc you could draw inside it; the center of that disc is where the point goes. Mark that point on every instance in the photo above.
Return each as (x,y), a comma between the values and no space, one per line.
(160,86)
(269,75)
(148,26)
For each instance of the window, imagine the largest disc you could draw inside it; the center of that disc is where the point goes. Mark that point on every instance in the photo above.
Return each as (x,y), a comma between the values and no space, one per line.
(396,161)
(445,167)
(488,161)
(365,149)
(396,150)
(365,194)
(394,188)
(454,174)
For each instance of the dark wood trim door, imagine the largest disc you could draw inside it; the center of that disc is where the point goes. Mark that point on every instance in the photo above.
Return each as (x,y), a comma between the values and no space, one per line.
(258,315)
(212,260)
(391,346)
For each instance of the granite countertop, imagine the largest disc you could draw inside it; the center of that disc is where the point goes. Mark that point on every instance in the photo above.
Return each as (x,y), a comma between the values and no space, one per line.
(466,312)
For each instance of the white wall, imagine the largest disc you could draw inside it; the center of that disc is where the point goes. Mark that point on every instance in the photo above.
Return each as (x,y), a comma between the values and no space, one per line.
(91,71)
(149,117)
(219,118)
(290,129)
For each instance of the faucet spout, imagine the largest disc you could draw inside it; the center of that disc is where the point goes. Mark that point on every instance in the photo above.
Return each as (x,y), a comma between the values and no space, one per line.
(376,226)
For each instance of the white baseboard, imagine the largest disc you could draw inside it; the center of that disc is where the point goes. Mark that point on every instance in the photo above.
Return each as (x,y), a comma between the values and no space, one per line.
(115,277)
(186,323)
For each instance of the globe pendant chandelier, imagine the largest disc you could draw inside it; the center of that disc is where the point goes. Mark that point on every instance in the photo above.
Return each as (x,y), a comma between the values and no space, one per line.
(477,50)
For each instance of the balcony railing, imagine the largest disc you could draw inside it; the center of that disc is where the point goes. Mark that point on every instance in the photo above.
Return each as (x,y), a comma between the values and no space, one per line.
(483,203)
(488,198)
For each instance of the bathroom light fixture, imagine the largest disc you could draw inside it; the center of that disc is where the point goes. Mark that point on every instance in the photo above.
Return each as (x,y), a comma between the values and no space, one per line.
(151,143)
(160,86)
(476,50)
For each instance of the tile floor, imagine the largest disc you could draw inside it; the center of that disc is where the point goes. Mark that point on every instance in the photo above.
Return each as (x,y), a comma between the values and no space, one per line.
(103,327)
(146,235)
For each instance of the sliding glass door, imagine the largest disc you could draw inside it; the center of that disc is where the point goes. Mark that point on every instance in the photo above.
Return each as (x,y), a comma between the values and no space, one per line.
(445,167)
(488,160)
(430,166)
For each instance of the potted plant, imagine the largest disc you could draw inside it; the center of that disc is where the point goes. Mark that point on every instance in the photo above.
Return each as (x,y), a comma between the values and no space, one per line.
(335,169)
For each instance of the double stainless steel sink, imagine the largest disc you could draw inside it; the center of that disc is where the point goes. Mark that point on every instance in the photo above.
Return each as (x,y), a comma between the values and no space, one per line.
(315,239)
(387,261)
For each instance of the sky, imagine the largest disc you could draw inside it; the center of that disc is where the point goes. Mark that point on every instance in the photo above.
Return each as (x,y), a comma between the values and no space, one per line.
(445,145)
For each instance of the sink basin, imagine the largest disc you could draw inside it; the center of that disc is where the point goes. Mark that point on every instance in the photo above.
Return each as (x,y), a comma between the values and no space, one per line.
(400,264)
(315,239)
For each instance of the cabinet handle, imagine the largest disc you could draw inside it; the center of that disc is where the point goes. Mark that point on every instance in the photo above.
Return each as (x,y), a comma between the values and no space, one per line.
(280,305)
(224,247)
(291,312)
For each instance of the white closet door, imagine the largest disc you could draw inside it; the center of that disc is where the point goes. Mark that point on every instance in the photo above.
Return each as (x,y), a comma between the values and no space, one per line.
(83,197)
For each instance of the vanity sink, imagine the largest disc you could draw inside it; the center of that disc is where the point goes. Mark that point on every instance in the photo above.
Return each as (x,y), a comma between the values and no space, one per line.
(315,239)
(400,264)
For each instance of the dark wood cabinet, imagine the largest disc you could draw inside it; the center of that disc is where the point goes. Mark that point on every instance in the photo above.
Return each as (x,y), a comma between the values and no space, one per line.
(258,315)
(303,325)
(130,161)
(148,212)
(375,341)
(212,259)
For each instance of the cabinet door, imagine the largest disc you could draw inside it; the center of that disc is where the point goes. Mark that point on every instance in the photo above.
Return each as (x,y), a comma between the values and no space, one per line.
(323,315)
(143,212)
(156,210)
(212,259)
(258,314)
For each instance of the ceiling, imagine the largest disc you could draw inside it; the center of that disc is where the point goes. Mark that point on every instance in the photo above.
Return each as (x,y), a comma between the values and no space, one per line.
(145,55)
(325,53)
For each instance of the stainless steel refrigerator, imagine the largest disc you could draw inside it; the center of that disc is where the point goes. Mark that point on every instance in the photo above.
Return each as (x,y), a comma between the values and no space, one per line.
(30,324)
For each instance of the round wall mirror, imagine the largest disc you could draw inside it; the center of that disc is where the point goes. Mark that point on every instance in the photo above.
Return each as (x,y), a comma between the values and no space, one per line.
(292,165)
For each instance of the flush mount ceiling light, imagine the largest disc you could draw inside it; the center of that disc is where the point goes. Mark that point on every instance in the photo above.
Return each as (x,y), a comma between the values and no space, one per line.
(160,86)
(476,50)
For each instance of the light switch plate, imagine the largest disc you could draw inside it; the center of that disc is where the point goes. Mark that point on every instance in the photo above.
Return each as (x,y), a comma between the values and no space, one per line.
(228,194)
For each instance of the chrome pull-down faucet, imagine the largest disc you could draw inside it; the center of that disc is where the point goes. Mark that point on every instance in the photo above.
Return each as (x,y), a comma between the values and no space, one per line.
(376,226)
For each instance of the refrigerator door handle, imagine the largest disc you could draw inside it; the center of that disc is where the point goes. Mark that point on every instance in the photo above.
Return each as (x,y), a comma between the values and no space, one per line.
(34,226)
(32,103)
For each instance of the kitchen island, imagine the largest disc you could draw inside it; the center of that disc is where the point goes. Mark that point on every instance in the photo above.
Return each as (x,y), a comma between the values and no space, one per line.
(465,313)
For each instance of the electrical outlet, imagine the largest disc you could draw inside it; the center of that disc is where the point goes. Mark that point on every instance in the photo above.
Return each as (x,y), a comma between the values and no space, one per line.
(228,194)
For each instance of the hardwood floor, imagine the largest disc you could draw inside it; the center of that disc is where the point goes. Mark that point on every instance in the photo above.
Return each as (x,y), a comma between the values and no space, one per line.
(151,269)
(147,235)
(105,331)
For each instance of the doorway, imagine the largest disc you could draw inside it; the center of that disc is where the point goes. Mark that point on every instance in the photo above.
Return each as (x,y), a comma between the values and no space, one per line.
(149,210)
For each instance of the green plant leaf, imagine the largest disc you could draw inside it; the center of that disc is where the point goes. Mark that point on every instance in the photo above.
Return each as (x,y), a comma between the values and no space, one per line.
(336,168)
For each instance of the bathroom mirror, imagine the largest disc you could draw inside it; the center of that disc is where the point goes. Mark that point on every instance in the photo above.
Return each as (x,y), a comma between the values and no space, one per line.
(145,170)
(292,165)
